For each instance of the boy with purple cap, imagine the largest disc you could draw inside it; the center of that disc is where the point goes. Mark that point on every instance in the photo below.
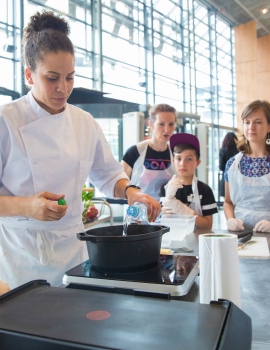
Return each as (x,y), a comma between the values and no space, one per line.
(185,195)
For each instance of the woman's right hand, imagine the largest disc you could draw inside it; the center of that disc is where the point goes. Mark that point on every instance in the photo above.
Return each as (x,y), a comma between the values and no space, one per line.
(44,207)
(235,224)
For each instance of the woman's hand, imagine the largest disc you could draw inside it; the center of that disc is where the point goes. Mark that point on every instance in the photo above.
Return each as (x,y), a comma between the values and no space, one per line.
(262,226)
(235,225)
(44,207)
(153,206)
(121,190)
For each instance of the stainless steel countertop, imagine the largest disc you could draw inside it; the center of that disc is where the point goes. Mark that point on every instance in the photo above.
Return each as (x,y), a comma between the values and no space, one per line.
(255,289)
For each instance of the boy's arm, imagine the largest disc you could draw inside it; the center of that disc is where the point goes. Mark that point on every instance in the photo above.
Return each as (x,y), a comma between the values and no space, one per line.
(204,222)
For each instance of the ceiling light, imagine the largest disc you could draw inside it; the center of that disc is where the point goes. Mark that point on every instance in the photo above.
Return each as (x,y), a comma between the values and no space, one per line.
(264,10)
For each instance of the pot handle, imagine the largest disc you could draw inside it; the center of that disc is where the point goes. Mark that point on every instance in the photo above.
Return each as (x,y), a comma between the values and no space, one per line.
(165,229)
(83,237)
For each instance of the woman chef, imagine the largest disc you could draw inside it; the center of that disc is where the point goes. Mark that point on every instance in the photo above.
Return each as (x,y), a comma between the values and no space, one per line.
(48,148)
(247,175)
(149,163)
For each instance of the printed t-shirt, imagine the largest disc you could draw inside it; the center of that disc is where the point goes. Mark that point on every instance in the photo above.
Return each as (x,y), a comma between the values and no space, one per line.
(154,160)
(185,195)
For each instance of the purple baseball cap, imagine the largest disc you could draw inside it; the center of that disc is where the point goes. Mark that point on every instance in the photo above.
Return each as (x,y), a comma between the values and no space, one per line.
(184,138)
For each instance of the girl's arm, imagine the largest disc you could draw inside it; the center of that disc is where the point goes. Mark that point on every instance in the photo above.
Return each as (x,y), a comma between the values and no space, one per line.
(228,205)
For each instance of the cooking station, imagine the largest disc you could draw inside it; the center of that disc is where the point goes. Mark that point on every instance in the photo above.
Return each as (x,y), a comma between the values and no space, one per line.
(149,308)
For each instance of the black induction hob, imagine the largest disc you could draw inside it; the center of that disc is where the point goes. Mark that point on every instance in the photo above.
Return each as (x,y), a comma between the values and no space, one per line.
(173,274)
(38,316)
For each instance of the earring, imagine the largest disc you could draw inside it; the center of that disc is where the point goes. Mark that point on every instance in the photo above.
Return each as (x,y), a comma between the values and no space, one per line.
(268,139)
(246,141)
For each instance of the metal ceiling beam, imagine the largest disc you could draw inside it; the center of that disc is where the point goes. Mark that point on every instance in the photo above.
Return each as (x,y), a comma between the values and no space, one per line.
(251,15)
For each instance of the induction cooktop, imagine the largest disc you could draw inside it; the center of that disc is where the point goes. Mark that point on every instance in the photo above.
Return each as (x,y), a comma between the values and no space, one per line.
(173,274)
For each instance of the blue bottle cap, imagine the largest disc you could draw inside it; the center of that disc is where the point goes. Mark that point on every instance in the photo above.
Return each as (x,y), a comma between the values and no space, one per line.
(132,211)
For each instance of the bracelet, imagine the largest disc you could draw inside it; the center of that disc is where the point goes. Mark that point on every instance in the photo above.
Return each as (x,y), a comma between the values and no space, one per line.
(138,188)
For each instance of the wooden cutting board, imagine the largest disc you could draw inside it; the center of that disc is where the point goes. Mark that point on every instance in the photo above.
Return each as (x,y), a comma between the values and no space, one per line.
(258,249)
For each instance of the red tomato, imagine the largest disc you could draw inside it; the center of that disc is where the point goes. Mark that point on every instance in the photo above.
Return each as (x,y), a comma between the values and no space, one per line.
(92,212)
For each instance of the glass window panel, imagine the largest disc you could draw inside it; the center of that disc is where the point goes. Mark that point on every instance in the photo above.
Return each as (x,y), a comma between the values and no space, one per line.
(109,127)
(225,119)
(223,28)
(178,105)
(203,97)
(124,94)
(202,64)
(119,49)
(88,45)
(10,11)
(205,113)
(7,73)
(225,90)
(61,6)
(83,82)
(223,58)
(18,77)
(167,67)
(202,46)
(77,33)
(83,63)
(202,80)
(123,8)
(6,40)
(224,74)
(3,12)
(167,27)
(117,24)
(168,88)
(165,7)
(80,10)
(142,53)
(200,12)
(118,74)
(223,43)
(201,29)
(108,23)
(30,9)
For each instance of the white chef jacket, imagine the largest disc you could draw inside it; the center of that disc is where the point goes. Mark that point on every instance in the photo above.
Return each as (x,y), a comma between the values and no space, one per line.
(54,153)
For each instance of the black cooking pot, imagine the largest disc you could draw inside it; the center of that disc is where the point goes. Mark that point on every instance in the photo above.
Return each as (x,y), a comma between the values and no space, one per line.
(109,250)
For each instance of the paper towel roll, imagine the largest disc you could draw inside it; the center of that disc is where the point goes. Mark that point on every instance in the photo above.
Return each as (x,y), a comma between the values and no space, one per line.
(219,268)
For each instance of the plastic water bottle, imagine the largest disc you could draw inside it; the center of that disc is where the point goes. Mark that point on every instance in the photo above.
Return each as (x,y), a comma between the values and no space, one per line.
(137,211)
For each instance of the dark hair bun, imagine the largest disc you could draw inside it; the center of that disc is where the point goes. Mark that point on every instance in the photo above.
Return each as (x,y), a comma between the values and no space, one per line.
(47,20)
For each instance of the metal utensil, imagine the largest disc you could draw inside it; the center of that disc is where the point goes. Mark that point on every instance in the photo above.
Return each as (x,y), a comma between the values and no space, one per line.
(242,245)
